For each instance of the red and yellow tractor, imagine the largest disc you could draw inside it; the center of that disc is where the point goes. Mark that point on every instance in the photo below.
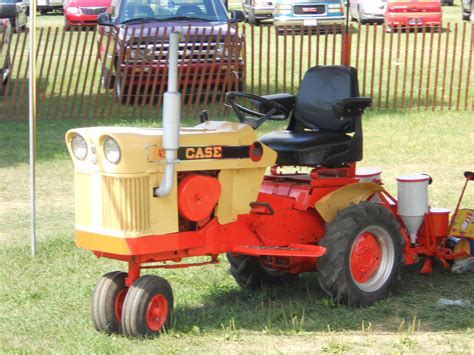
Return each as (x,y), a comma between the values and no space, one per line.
(156,198)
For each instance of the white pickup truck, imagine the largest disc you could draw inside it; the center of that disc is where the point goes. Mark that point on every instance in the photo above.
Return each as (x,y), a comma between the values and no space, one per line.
(45,6)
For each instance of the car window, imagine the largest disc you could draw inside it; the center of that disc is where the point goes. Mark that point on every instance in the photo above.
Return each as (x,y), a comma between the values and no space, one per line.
(7,1)
(163,10)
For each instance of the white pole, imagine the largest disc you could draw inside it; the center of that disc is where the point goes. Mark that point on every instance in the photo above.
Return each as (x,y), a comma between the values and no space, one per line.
(32,122)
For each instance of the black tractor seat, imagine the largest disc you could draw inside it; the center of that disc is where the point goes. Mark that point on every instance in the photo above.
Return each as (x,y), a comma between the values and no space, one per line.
(307,147)
(325,126)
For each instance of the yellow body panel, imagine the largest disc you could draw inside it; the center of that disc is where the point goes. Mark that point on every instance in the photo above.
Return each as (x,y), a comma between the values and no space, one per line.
(329,205)
(463,224)
(117,200)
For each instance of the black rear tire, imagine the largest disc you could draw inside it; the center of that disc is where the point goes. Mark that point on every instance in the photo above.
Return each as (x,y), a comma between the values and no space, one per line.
(109,294)
(340,270)
(148,307)
(250,274)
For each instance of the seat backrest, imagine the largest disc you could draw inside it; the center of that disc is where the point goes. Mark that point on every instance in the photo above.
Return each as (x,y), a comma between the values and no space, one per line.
(140,11)
(321,86)
(189,10)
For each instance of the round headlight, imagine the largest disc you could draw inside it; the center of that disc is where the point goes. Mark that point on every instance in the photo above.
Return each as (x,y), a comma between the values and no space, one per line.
(79,147)
(72,10)
(112,150)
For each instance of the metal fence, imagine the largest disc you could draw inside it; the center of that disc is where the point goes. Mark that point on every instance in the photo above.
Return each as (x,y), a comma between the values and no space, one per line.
(83,75)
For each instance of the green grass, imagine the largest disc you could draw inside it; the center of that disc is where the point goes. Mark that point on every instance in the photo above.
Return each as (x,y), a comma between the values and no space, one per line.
(44,302)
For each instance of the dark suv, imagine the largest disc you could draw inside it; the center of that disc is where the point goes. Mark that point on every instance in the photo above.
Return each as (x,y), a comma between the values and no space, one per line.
(133,40)
(5,35)
(16,11)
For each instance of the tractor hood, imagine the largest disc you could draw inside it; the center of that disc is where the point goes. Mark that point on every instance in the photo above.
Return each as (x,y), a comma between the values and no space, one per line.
(209,146)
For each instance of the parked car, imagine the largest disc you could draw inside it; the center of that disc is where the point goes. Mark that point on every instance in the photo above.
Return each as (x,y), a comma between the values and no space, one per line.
(46,6)
(144,55)
(309,12)
(5,35)
(466,8)
(258,10)
(84,12)
(413,13)
(16,11)
(447,2)
(368,10)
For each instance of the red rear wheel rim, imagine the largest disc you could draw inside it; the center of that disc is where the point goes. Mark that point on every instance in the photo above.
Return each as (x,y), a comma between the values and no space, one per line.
(365,257)
(119,304)
(157,312)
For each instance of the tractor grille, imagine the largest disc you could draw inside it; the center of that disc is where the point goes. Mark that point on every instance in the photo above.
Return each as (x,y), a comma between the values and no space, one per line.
(126,204)
(119,204)
(93,10)
(309,9)
(188,53)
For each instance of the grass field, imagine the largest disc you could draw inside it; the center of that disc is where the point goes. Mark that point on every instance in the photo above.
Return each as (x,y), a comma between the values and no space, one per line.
(44,302)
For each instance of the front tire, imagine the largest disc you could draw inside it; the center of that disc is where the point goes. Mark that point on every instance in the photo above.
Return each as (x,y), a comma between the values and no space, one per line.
(250,274)
(107,302)
(364,254)
(148,307)
(253,19)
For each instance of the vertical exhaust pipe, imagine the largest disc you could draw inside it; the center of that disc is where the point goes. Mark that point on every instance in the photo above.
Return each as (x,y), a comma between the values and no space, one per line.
(171,118)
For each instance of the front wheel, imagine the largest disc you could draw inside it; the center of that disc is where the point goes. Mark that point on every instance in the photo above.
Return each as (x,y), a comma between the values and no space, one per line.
(364,254)
(148,307)
(107,302)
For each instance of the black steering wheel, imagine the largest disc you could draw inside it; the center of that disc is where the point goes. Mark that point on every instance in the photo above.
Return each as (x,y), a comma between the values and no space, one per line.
(255,117)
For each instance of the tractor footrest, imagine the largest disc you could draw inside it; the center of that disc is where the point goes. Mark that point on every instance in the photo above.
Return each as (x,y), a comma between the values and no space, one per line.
(292,250)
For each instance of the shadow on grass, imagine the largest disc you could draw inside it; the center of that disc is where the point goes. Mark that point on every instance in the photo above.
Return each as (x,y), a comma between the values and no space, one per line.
(303,306)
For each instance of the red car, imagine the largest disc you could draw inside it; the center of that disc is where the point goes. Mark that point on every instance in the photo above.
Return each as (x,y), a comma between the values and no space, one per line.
(413,13)
(84,12)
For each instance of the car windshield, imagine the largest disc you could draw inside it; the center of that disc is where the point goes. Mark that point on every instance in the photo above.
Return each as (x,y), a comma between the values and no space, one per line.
(169,10)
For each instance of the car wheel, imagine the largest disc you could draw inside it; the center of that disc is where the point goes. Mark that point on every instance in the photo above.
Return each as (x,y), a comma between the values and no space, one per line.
(15,25)
(252,19)
(67,26)
(122,90)
(107,79)
(6,69)
(351,14)
(359,16)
